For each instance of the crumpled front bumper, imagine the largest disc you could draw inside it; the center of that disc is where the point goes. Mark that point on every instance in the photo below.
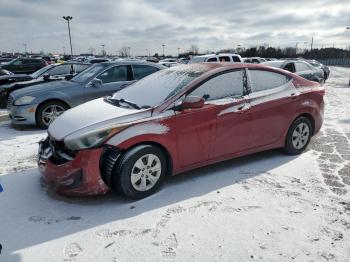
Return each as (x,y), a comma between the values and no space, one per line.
(77,176)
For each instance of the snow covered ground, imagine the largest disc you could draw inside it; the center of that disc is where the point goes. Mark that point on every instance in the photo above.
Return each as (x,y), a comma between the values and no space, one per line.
(264,207)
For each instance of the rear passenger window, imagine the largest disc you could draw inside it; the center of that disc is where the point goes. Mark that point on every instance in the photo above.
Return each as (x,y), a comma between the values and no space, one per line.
(261,80)
(224,58)
(140,71)
(222,86)
(301,67)
(114,74)
(236,59)
(213,59)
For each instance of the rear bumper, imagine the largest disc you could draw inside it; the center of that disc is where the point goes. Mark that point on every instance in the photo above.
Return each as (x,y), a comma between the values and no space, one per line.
(79,176)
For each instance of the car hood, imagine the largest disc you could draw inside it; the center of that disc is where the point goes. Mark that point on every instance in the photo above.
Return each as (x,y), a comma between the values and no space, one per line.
(50,86)
(14,78)
(94,114)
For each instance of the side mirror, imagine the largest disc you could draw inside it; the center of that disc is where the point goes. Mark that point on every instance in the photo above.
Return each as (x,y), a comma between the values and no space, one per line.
(68,77)
(46,77)
(191,102)
(96,83)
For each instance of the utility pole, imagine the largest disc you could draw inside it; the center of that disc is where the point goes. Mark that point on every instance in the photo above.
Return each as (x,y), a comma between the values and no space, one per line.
(129,50)
(68,18)
(163,50)
(103,49)
(312,43)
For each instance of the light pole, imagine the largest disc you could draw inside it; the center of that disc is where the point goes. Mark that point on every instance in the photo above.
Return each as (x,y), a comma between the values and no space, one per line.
(68,18)
(64,50)
(148,52)
(103,49)
(25,48)
(178,52)
(163,50)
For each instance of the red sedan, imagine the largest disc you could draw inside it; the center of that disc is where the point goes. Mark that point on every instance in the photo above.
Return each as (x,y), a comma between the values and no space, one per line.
(176,120)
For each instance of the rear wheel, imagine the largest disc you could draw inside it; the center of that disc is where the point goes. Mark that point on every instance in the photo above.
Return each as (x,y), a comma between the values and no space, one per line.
(49,111)
(140,172)
(298,136)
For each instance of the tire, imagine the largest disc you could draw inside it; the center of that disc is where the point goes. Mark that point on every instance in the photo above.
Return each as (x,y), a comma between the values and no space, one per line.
(42,121)
(130,166)
(297,140)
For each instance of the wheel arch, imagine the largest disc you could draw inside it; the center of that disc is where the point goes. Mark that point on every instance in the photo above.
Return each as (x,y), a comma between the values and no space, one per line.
(46,101)
(162,148)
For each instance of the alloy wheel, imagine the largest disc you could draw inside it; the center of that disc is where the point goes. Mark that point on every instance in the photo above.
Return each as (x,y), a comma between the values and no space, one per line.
(50,113)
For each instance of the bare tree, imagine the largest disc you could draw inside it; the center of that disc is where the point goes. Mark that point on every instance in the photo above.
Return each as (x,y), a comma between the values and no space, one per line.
(124,51)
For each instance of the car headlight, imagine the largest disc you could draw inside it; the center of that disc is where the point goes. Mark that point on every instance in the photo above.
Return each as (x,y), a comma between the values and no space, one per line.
(24,100)
(79,141)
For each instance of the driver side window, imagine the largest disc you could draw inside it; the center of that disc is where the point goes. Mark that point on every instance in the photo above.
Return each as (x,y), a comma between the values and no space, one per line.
(114,74)
(222,86)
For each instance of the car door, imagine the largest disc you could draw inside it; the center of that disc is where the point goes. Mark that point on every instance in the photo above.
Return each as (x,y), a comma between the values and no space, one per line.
(17,66)
(112,79)
(273,99)
(197,132)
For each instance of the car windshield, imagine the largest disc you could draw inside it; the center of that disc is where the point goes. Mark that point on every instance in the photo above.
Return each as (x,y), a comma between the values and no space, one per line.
(41,71)
(87,73)
(154,89)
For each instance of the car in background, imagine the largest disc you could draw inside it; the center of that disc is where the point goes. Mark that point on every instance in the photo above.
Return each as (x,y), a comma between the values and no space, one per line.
(98,60)
(41,104)
(5,60)
(215,58)
(176,120)
(299,67)
(325,68)
(254,60)
(168,60)
(4,72)
(24,65)
(169,64)
(48,73)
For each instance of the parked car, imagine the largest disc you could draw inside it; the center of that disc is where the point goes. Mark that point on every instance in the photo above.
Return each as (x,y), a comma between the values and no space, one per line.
(254,60)
(176,120)
(168,60)
(325,69)
(24,65)
(4,72)
(41,104)
(5,60)
(300,68)
(48,73)
(169,64)
(99,60)
(224,57)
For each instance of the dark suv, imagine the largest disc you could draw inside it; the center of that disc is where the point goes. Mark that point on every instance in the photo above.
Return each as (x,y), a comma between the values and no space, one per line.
(24,65)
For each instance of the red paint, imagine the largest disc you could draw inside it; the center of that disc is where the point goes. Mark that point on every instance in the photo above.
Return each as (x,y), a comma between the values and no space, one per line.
(201,136)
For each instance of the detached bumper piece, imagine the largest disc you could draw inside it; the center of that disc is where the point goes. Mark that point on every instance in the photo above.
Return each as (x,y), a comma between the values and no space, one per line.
(68,172)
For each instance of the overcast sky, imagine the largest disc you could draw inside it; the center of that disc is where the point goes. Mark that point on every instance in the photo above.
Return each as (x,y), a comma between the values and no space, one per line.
(147,24)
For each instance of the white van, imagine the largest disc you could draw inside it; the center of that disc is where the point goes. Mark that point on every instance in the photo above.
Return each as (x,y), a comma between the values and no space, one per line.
(214,58)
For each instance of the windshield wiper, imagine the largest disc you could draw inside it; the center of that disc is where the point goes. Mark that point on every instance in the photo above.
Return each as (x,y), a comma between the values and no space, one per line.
(122,100)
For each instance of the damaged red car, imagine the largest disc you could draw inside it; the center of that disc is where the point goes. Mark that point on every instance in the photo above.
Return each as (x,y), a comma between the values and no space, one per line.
(176,120)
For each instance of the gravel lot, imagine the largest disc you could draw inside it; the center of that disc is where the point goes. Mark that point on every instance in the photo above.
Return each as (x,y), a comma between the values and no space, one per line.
(264,207)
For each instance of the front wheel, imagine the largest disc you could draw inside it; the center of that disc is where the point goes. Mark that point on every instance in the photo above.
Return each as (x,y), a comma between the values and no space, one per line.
(49,111)
(298,136)
(140,172)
